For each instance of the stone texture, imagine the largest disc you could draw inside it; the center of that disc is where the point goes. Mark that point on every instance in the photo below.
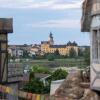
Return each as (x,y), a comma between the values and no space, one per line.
(90,95)
(72,90)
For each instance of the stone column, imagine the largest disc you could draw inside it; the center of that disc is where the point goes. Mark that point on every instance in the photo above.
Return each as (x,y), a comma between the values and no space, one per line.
(94,45)
(98,45)
(6,27)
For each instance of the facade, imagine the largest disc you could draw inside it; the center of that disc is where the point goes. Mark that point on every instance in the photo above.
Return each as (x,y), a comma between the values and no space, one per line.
(35,50)
(50,47)
(43,48)
(10,75)
(91,24)
(18,50)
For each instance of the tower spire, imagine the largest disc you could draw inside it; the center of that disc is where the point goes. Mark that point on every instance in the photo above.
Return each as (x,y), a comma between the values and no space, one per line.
(51,39)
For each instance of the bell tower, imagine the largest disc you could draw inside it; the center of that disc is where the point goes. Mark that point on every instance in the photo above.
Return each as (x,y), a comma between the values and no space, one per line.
(51,41)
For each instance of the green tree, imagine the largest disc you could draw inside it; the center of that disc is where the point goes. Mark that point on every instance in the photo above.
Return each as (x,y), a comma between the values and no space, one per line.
(39,69)
(87,56)
(25,54)
(13,57)
(9,56)
(36,86)
(72,53)
(51,57)
(80,53)
(56,53)
(57,75)
(31,76)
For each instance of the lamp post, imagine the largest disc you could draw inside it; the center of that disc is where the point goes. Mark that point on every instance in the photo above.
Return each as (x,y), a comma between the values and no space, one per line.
(5,28)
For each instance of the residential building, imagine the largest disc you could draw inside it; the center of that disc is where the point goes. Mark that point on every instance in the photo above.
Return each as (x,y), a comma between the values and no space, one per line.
(35,50)
(18,50)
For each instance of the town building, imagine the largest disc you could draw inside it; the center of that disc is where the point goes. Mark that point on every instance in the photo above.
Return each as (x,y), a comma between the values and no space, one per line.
(91,24)
(50,47)
(43,48)
(18,50)
(35,50)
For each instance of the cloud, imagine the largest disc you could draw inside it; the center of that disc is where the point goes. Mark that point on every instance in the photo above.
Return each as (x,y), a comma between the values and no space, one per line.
(66,6)
(36,4)
(64,23)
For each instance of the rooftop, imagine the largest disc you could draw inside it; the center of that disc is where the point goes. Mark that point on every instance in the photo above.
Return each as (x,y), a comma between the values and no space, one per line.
(6,25)
(44,42)
(58,46)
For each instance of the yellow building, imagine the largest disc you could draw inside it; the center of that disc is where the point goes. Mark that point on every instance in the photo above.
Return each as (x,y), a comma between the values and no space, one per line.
(49,47)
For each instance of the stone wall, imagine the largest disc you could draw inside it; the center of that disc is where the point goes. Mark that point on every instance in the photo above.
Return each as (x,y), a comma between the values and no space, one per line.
(73,89)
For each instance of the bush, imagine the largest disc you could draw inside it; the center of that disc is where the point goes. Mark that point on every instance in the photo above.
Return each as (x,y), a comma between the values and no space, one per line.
(72,53)
(59,74)
(87,56)
(50,57)
(36,86)
(39,69)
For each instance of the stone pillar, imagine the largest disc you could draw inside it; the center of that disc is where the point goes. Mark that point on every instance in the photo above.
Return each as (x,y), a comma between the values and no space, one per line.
(5,28)
(94,45)
(98,34)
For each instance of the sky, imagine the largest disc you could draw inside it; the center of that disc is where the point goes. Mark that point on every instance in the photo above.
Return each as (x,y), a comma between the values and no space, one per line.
(33,20)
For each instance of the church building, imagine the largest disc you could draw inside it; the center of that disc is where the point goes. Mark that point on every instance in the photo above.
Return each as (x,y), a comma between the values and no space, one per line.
(50,47)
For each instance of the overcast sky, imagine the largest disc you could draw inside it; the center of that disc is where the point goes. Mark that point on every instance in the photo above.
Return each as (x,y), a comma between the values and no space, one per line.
(33,20)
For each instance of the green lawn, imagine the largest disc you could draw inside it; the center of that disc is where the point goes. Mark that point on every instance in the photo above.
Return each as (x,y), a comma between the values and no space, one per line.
(57,63)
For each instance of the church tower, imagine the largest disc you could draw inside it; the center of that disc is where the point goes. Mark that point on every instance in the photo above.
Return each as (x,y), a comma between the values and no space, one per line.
(51,41)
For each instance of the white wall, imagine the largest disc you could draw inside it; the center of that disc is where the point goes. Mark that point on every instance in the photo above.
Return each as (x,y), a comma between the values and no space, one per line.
(54,86)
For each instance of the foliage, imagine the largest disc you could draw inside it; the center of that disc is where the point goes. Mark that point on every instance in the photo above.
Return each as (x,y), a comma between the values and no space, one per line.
(25,54)
(39,69)
(38,57)
(56,53)
(80,53)
(72,53)
(51,57)
(59,74)
(36,86)
(31,75)
(9,55)
(87,56)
